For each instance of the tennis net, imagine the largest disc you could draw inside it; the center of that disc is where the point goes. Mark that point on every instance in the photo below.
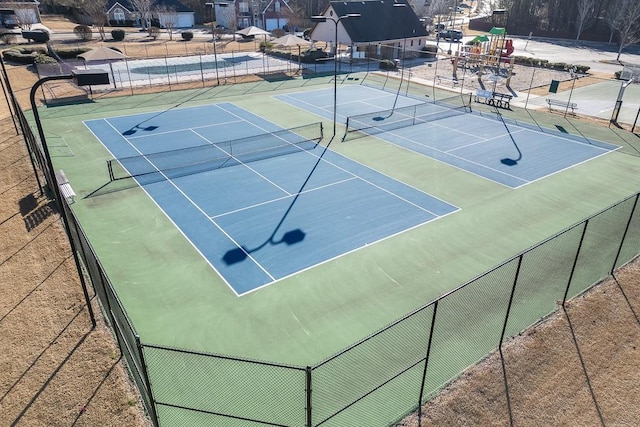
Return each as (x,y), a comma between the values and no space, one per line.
(202,158)
(388,120)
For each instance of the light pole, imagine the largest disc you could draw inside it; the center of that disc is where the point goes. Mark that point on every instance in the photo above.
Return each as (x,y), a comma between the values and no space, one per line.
(81,78)
(321,18)
(213,40)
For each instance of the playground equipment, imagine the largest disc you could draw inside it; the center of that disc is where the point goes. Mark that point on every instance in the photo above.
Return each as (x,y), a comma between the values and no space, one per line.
(487,51)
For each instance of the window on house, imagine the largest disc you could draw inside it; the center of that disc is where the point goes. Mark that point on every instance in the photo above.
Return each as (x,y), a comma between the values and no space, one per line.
(118,14)
(277,6)
(243,7)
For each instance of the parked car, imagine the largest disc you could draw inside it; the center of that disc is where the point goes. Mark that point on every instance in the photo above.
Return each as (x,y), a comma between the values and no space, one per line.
(453,35)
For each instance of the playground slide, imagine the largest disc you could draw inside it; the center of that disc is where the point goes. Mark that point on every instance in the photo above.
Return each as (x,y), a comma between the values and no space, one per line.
(508,48)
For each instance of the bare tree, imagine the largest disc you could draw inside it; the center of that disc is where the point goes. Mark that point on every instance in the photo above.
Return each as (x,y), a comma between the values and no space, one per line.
(584,15)
(144,9)
(168,17)
(624,20)
(438,8)
(97,11)
(26,18)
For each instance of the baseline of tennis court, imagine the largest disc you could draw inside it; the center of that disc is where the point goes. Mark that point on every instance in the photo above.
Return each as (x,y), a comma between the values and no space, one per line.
(266,205)
(492,148)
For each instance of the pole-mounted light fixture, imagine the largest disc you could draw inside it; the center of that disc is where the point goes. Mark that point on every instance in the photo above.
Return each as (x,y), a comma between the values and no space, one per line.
(80,78)
(322,18)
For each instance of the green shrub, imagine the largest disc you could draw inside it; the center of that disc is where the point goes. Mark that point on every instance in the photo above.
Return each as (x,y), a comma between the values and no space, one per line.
(582,69)
(125,23)
(71,53)
(265,46)
(37,36)
(187,35)
(429,51)
(118,35)
(22,55)
(83,32)
(617,74)
(9,38)
(154,32)
(43,58)
(311,56)
(388,64)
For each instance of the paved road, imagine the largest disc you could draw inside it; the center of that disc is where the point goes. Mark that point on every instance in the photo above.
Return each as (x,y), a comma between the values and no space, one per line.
(601,57)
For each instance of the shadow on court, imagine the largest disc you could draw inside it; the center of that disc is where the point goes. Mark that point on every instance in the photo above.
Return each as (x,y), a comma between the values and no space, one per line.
(507,161)
(290,237)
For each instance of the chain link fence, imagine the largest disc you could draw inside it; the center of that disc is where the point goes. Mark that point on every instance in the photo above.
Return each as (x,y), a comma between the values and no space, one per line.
(386,375)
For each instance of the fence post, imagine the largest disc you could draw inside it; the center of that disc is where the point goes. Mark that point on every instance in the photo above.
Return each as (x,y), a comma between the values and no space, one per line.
(624,236)
(513,291)
(426,362)
(575,262)
(145,374)
(309,417)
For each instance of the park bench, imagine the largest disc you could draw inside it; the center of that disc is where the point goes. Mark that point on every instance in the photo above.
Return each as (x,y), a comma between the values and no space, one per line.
(564,105)
(501,100)
(483,96)
(64,186)
(451,80)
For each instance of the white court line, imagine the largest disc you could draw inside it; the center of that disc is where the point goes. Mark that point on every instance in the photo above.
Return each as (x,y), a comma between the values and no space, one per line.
(201,211)
(242,163)
(246,208)
(182,130)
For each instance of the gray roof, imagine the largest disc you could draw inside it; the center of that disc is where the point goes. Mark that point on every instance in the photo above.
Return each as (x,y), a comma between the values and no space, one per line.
(380,20)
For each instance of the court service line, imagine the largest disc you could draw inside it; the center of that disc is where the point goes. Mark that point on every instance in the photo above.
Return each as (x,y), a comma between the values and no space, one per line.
(374,242)
(483,140)
(197,207)
(283,198)
(183,129)
(452,155)
(373,184)
(195,247)
(243,164)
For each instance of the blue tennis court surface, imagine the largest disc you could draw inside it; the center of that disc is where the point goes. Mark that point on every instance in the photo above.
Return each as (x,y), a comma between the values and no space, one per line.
(510,154)
(259,218)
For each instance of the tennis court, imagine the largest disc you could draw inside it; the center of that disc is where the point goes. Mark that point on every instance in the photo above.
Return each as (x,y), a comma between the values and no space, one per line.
(192,198)
(258,202)
(493,148)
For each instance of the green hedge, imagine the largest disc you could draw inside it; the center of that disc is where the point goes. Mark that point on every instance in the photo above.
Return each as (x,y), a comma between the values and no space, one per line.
(22,55)
(71,53)
(118,35)
(543,63)
(388,64)
(83,32)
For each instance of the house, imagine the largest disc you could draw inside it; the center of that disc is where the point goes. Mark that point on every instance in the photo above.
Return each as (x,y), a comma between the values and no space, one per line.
(172,13)
(26,12)
(266,14)
(121,13)
(274,14)
(385,29)
(164,13)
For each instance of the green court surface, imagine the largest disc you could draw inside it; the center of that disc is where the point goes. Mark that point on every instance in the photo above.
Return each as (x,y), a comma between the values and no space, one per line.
(174,298)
